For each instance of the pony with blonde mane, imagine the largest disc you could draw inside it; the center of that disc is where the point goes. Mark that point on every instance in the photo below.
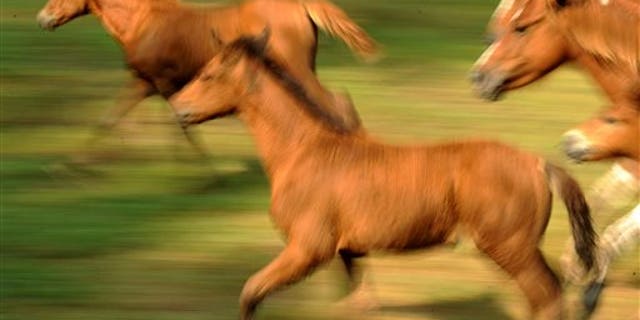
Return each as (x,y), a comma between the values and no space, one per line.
(166,42)
(335,192)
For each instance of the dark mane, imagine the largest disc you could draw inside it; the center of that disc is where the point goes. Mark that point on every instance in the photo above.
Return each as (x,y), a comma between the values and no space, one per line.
(256,51)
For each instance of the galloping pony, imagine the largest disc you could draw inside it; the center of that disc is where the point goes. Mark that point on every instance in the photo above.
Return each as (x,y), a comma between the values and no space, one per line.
(615,132)
(166,42)
(530,38)
(335,192)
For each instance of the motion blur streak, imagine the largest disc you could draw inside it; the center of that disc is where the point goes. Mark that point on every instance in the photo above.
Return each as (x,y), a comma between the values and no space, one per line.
(152,231)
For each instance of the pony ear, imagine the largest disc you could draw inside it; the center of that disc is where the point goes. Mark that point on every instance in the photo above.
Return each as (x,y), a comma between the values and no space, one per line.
(217,42)
(558,4)
(262,39)
(566,3)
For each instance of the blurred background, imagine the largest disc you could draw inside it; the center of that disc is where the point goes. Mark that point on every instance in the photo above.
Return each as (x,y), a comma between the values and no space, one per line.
(154,232)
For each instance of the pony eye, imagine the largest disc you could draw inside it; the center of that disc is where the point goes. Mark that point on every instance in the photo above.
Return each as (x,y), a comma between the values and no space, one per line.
(610,120)
(521,29)
(206,77)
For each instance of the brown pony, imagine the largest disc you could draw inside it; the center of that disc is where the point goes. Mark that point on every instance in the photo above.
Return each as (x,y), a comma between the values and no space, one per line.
(166,42)
(336,192)
(530,38)
(614,133)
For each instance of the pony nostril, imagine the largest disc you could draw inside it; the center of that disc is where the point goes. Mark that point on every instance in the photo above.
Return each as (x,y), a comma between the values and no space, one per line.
(489,85)
(476,76)
(184,118)
(46,21)
(571,139)
(568,140)
(575,146)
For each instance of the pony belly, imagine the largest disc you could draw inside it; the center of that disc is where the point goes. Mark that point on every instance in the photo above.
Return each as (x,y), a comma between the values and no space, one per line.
(398,232)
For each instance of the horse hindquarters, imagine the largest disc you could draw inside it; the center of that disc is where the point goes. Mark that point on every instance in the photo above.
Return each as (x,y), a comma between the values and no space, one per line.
(505,206)
(521,258)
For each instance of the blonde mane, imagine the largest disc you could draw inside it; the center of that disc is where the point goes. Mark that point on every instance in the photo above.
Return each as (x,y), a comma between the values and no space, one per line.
(608,30)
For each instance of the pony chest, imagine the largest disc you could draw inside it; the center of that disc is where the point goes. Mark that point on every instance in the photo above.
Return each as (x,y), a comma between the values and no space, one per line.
(173,58)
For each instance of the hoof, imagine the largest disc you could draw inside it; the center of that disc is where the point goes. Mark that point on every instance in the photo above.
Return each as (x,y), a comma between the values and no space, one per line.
(359,301)
(590,297)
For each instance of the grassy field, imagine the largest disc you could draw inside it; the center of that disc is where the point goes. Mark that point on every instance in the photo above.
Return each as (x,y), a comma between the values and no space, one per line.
(154,233)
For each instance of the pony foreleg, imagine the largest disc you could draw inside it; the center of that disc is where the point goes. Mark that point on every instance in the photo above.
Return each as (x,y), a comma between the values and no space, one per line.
(195,143)
(130,97)
(361,295)
(290,266)
(616,188)
(618,236)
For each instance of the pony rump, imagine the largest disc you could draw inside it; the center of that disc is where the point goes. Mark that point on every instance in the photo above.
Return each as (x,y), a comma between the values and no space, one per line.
(608,30)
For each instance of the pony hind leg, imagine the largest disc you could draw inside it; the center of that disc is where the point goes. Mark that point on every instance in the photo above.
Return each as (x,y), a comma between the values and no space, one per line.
(529,269)
(360,293)
(130,96)
(291,265)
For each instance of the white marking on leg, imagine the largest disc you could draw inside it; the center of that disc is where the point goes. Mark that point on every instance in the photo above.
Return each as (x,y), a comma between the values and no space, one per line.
(616,237)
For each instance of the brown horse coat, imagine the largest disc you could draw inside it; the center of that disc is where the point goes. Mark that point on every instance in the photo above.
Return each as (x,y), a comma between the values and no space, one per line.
(166,42)
(530,38)
(336,192)
(613,133)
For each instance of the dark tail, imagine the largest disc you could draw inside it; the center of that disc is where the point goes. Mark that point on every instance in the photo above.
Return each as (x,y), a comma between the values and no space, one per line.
(584,236)
(335,22)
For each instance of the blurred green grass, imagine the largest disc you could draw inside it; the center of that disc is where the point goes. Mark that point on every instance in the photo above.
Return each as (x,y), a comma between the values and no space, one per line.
(153,233)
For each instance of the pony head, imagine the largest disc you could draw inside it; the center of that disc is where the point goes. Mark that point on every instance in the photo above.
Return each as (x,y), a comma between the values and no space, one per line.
(58,12)
(613,133)
(223,83)
(524,45)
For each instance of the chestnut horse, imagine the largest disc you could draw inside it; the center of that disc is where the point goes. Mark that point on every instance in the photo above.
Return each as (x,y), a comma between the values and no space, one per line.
(166,42)
(340,193)
(614,133)
(530,38)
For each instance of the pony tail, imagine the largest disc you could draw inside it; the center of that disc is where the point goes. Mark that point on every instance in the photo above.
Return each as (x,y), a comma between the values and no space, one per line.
(584,235)
(335,22)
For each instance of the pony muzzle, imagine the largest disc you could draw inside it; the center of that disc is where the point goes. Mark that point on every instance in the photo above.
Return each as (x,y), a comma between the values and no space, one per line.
(47,21)
(185,112)
(186,118)
(576,146)
(488,85)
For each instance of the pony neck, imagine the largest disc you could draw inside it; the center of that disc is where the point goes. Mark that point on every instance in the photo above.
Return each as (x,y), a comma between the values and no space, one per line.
(123,18)
(605,41)
(283,131)
(616,85)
